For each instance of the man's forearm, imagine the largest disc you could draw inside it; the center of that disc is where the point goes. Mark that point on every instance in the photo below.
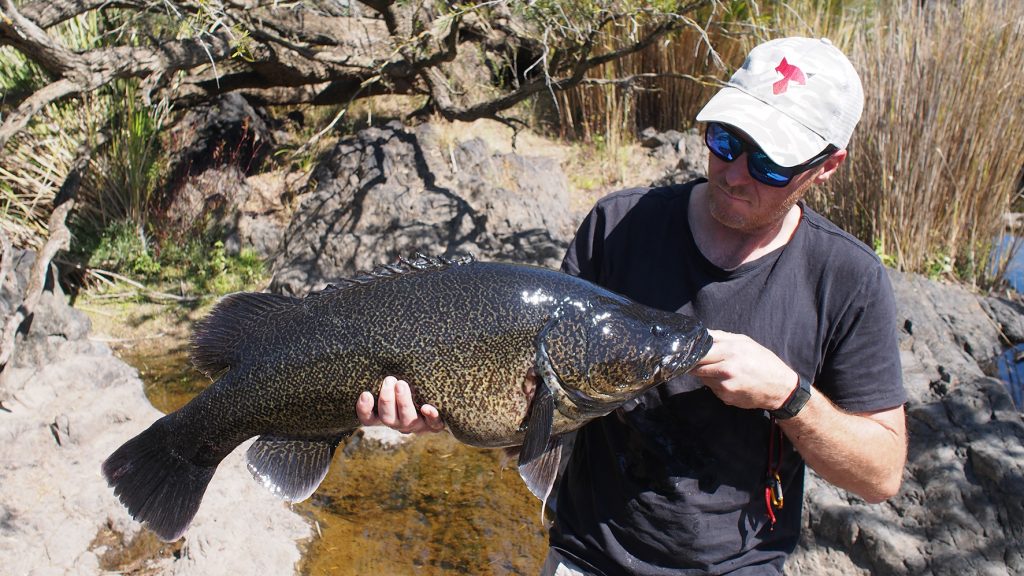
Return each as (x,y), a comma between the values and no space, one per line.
(861,453)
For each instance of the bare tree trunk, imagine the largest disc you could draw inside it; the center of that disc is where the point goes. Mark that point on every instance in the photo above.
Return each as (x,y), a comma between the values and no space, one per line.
(60,239)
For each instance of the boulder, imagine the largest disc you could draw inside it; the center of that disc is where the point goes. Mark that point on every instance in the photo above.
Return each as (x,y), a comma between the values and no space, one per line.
(960,509)
(214,183)
(394,191)
(683,153)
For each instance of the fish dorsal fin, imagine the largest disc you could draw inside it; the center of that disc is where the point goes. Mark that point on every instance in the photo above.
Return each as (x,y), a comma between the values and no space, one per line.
(291,468)
(418,263)
(217,340)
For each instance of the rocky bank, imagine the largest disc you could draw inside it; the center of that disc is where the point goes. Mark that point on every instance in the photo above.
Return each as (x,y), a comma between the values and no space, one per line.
(390,190)
(960,510)
(74,403)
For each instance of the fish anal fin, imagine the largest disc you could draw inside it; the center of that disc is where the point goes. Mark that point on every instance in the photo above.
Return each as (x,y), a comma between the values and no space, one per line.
(218,339)
(291,468)
(540,473)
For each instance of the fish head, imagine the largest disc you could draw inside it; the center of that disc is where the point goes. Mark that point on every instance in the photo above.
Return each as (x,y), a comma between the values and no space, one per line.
(607,352)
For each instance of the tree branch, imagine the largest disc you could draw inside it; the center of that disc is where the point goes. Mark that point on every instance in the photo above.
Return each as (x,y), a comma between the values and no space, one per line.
(20,117)
(96,68)
(488,109)
(60,239)
(32,40)
(312,52)
(47,14)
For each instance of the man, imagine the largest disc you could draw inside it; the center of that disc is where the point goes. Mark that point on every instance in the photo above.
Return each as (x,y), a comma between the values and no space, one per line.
(704,475)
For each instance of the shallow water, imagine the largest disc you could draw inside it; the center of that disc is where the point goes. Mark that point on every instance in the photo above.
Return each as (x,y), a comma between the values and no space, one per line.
(433,506)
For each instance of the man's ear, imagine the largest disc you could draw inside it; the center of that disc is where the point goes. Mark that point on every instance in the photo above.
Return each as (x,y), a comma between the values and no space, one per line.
(830,166)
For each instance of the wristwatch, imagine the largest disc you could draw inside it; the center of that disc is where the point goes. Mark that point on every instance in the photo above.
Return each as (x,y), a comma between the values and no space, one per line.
(795,402)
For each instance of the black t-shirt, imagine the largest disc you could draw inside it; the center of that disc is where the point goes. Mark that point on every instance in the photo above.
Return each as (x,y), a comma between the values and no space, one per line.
(673,483)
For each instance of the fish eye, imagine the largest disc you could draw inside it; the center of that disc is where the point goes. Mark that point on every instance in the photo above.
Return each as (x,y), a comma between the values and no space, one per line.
(657,330)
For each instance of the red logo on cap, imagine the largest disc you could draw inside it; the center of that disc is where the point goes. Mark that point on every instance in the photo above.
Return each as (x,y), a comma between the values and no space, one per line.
(789,72)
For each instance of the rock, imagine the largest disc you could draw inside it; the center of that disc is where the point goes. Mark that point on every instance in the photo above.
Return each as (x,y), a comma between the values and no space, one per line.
(227,132)
(959,510)
(1009,317)
(213,185)
(54,328)
(685,154)
(393,191)
(74,403)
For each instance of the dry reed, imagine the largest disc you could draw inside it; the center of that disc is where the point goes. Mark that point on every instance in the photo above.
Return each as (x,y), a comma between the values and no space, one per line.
(935,163)
(936,160)
(663,86)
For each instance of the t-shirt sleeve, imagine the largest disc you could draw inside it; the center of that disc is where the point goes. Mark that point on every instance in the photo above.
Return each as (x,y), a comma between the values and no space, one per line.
(583,257)
(862,370)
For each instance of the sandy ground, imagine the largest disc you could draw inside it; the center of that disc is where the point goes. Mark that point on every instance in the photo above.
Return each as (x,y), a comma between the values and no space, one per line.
(57,515)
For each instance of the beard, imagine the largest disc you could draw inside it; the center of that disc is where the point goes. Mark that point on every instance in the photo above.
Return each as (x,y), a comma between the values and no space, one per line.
(748,212)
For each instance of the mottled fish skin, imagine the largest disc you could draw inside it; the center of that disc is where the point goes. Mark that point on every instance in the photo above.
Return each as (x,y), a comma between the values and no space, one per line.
(463,333)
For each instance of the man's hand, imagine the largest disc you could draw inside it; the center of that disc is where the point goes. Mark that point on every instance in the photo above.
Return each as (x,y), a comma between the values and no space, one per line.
(396,409)
(863,453)
(744,374)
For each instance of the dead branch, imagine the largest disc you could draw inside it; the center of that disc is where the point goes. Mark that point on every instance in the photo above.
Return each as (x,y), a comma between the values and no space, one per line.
(316,52)
(59,239)
(19,118)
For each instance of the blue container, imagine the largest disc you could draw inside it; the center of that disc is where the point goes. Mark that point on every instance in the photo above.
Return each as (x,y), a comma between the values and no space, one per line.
(1011,371)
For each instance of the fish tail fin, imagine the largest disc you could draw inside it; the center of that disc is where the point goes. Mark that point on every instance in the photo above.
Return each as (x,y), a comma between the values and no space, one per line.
(218,340)
(156,484)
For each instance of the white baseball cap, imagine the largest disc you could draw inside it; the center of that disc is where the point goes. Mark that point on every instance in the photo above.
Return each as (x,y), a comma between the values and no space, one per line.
(793,97)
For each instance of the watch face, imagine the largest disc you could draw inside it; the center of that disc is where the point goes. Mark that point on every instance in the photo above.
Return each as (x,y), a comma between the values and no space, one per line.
(796,401)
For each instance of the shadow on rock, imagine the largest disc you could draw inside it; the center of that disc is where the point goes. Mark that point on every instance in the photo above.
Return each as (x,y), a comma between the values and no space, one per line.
(390,192)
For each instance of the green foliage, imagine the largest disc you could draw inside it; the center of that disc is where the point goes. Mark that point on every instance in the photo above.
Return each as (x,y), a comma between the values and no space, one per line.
(122,247)
(17,74)
(886,258)
(128,172)
(199,265)
(204,266)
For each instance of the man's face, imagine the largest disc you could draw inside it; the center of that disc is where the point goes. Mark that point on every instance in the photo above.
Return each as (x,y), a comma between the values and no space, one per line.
(739,202)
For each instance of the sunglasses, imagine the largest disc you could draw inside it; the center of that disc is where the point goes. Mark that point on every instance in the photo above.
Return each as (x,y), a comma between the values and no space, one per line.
(728,146)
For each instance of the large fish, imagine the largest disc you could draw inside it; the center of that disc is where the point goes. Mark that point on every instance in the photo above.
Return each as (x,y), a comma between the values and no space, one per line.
(510,355)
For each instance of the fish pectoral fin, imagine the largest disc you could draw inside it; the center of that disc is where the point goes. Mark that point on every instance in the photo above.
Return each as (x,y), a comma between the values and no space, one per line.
(541,472)
(291,468)
(539,422)
(540,453)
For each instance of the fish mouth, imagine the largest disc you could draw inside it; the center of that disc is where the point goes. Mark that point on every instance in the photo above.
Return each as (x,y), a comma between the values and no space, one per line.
(682,361)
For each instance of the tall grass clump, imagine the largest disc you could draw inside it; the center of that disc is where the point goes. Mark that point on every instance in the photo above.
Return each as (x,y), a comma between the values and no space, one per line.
(936,159)
(127,173)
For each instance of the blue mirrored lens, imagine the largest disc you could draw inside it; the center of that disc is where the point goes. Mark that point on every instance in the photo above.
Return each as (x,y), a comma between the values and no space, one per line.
(765,170)
(723,144)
